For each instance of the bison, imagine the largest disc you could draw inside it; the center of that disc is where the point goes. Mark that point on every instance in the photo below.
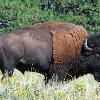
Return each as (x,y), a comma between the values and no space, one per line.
(51,48)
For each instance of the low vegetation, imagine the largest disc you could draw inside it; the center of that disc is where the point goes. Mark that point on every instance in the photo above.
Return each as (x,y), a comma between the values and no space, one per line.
(31,87)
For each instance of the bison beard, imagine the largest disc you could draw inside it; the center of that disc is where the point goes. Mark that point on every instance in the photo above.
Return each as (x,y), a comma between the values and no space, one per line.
(50,48)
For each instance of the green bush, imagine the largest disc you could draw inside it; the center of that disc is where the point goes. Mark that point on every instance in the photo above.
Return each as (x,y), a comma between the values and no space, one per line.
(20,13)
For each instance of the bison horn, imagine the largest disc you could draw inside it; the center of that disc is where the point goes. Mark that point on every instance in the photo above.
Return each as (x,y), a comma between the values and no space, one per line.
(86,46)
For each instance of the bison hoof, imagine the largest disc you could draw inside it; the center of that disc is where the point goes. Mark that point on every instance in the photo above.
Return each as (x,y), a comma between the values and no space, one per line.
(5,75)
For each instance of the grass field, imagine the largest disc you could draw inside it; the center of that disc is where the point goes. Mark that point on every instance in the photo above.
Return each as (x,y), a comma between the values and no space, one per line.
(31,87)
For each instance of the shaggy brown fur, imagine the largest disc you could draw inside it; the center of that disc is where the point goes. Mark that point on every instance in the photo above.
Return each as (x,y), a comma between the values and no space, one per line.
(66,46)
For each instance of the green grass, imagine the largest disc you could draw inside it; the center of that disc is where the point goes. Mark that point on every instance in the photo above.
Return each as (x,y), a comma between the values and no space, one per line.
(31,87)
(28,12)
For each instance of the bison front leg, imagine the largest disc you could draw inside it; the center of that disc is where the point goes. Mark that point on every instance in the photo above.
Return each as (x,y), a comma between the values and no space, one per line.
(8,68)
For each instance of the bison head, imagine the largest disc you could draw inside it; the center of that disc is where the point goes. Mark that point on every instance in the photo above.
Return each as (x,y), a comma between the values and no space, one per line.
(90,56)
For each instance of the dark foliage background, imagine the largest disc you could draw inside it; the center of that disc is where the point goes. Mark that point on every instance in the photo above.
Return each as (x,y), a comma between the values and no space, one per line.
(20,13)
